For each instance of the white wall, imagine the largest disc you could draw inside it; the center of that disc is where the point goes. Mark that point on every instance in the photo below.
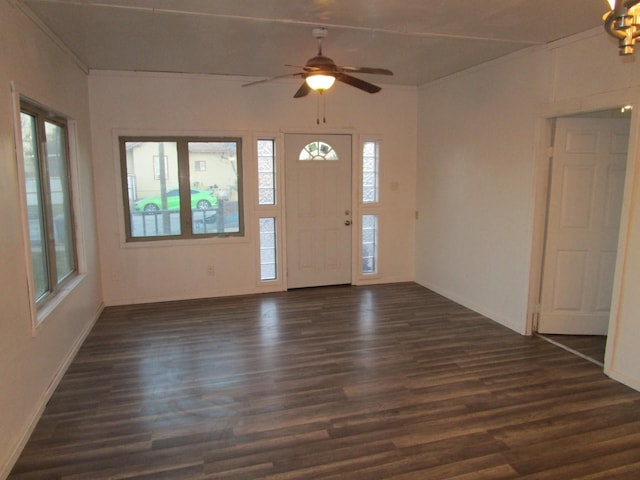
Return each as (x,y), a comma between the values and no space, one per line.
(143,103)
(475,171)
(479,166)
(31,362)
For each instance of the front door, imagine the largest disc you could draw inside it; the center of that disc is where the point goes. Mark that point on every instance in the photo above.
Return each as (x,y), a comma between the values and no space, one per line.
(318,209)
(585,200)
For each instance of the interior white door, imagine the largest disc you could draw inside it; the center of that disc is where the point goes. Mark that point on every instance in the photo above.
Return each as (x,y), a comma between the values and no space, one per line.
(585,200)
(318,209)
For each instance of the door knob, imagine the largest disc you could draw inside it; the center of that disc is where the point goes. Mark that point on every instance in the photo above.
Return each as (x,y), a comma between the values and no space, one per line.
(347,222)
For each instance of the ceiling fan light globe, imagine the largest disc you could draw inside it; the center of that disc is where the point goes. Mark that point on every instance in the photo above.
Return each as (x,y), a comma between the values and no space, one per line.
(320,81)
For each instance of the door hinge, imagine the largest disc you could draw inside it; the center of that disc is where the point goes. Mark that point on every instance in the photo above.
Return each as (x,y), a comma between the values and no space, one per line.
(535,317)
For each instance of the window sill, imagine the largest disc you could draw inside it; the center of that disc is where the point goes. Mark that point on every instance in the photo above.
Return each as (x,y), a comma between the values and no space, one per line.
(50,306)
(183,242)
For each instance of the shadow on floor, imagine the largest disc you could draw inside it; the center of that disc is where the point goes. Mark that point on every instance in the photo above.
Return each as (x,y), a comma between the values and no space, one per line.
(590,347)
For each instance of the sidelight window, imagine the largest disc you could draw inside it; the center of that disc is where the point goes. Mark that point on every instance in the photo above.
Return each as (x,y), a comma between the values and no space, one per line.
(370,172)
(369,244)
(268,253)
(370,206)
(266,172)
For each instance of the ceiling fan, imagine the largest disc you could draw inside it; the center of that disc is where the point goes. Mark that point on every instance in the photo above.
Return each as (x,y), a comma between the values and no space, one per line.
(320,72)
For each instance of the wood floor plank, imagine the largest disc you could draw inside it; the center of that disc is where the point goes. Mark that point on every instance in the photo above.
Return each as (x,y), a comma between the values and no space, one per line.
(358,383)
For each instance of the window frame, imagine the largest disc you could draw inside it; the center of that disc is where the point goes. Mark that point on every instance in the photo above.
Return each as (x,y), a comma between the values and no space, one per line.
(269,210)
(55,286)
(375,173)
(184,186)
(263,249)
(373,208)
(375,256)
(273,173)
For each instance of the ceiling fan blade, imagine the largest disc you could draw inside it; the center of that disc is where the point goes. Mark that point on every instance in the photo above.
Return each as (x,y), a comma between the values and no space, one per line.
(374,71)
(306,68)
(303,91)
(288,75)
(356,82)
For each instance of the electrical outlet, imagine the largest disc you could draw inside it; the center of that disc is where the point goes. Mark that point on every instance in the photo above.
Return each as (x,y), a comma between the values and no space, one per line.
(211,271)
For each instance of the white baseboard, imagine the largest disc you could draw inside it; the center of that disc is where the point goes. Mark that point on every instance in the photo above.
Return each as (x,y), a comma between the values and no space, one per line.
(618,376)
(182,297)
(5,470)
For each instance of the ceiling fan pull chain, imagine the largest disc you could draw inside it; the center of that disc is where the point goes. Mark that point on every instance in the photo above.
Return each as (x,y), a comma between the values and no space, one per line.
(324,108)
(318,110)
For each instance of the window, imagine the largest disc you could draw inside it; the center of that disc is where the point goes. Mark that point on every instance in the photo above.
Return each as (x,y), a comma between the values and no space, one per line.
(160,170)
(318,151)
(46,174)
(268,265)
(369,244)
(370,176)
(370,205)
(266,172)
(267,209)
(204,173)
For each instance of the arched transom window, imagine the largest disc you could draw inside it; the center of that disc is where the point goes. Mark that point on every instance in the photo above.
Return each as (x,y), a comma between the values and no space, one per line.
(318,151)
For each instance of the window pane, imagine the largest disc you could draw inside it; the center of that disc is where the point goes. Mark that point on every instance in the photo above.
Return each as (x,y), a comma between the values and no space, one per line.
(370,172)
(153,194)
(48,199)
(35,208)
(318,151)
(266,172)
(369,243)
(268,263)
(266,148)
(60,200)
(182,187)
(214,189)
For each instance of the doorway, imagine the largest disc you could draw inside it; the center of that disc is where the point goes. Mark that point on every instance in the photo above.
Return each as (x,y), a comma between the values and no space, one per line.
(318,209)
(585,191)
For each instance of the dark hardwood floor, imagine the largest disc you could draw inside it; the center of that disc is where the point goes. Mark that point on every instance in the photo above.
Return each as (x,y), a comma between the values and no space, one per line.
(591,346)
(383,382)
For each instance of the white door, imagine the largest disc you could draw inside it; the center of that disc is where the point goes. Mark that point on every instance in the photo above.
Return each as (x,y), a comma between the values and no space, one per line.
(318,209)
(585,200)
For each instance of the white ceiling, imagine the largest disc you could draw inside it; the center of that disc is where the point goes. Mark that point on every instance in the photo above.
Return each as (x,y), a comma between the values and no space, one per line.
(420,40)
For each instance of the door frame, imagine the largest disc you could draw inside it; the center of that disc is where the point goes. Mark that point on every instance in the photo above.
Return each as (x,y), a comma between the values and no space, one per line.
(545,129)
(355,211)
(590,318)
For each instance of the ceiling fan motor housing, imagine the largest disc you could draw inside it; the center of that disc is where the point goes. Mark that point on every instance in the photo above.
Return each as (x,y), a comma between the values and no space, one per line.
(321,64)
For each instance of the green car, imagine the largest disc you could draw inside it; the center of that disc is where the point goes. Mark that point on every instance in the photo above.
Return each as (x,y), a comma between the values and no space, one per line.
(200,200)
